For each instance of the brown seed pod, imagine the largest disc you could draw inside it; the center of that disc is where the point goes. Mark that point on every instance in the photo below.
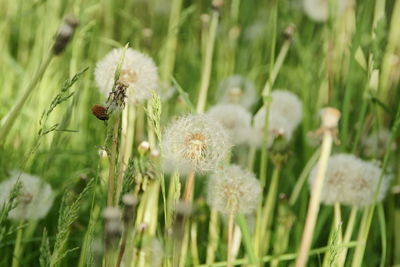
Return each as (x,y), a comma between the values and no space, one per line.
(100,112)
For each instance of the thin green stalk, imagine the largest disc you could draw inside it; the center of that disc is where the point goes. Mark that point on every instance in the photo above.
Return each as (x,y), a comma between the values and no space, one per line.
(269,209)
(347,235)
(360,249)
(9,120)
(113,160)
(207,65)
(213,236)
(18,246)
(335,237)
(241,221)
(303,177)
(284,257)
(167,66)
(382,224)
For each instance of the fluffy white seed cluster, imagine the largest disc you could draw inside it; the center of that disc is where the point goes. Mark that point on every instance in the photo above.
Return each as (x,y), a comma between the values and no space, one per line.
(138,71)
(286,113)
(34,200)
(195,143)
(233,190)
(318,10)
(237,90)
(236,120)
(350,181)
(375,144)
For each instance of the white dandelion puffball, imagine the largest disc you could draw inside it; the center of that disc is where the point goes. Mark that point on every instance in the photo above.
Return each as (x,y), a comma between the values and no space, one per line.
(286,113)
(34,200)
(195,143)
(236,120)
(138,71)
(318,10)
(375,143)
(350,181)
(237,90)
(233,190)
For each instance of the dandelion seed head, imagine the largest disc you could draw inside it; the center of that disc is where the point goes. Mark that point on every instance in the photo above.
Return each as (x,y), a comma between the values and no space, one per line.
(351,181)
(233,189)
(318,10)
(138,71)
(286,113)
(195,142)
(237,90)
(236,120)
(34,200)
(375,144)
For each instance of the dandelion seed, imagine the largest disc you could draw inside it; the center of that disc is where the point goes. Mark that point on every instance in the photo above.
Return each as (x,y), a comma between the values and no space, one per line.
(195,143)
(138,71)
(237,90)
(318,10)
(35,197)
(351,181)
(233,190)
(236,120)
(286,113)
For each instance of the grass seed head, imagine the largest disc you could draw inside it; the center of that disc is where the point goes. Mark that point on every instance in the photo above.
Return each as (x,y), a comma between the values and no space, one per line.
(35,197)
(138,71)
(233,190)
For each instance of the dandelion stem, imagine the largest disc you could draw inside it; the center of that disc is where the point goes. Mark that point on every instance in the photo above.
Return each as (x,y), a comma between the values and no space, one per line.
(230,237)
(18,247)
(189,186)
(9,120)
(313,207)
(206,73)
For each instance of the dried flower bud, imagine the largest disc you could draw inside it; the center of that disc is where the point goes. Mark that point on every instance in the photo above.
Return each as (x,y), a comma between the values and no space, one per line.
(205,19)
(100,112)
(64,35)
(289,31)
(330,117)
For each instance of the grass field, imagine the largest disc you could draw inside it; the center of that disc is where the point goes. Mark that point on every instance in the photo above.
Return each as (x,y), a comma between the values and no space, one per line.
(199,133)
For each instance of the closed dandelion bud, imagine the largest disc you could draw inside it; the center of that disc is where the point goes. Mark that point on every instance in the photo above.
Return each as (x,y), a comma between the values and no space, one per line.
(233,190)
(351,181)
(235,119)
(195,143)
(138,71)
(112,227)
(64,35)
(34,199)
(237,90)
(155,154)
(130,202)
(205,20)
(217,4)
(143,147)
(318,10)
(286,113)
